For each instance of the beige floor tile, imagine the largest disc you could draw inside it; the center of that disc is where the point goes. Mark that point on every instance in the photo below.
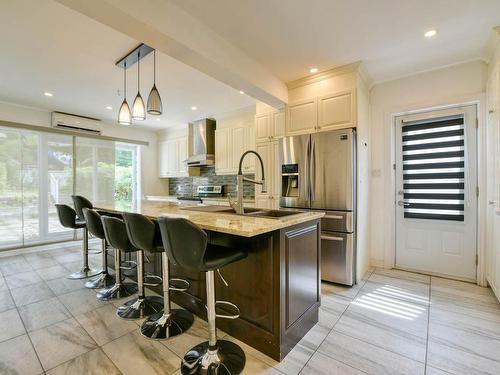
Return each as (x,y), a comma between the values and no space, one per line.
(253,366)
(61,342)
(94,362)
(403,275)
(195,335)
(367,357)
(468,341)
(350,292)
(63,285)
(332,307)
(6,301)
(54,272)
(10,325)
(295,360)
(22,279)
(17,357)
(31,293)
(134,354)
(38,261)
(321,364)
(459,362)
(17,266)
(43,313)
(3,284)
(81,301)
(104,325)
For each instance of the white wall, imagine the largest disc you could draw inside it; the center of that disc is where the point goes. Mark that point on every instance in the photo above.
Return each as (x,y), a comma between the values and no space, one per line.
(151,184)
(451,85)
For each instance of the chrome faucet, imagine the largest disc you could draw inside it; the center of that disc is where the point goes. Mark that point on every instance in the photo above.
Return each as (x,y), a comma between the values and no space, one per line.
(238,206)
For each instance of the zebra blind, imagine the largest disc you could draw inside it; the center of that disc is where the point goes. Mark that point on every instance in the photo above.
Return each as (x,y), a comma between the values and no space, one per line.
(433,169)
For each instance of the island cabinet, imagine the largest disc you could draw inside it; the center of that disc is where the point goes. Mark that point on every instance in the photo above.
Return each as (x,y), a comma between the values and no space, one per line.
(276,287)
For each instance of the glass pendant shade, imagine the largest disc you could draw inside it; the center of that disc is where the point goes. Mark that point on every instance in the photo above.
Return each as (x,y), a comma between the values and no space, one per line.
(154,102)
(124,115)
(138,108)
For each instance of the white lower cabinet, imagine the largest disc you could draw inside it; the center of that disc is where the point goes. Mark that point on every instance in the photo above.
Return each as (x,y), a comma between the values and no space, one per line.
(269,152)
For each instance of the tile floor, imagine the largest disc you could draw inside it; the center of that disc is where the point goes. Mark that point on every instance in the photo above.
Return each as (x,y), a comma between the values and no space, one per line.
(393,322)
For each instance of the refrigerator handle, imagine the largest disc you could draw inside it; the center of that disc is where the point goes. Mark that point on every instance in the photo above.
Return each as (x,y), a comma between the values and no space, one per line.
(312,169)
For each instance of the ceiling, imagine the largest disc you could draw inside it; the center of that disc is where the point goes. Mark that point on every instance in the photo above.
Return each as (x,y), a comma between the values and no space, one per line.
(289,37)
(54,49)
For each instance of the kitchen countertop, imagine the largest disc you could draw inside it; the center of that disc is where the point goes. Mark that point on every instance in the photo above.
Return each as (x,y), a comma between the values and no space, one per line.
(240,225)
(174,198)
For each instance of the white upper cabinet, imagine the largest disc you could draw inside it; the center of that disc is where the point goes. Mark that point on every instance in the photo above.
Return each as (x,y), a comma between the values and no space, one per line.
(230,144)
(262,127)
(278,124)
(337,111)
(269,126)
(222,151)
(302,117)
(327,112)
(172,154)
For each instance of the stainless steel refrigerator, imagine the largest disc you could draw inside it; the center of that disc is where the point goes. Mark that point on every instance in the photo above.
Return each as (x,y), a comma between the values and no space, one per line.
(318,172)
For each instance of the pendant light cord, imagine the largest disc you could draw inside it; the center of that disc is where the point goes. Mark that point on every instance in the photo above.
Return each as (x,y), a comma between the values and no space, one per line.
(125,80)
(139,71)
(154,67)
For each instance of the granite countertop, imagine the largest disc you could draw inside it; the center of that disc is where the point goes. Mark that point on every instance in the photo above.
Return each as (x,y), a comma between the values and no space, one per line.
(174,197)
(246,226)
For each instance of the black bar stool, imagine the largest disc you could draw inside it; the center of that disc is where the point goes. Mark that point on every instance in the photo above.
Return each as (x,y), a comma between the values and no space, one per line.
(145,235)
(186,245)
(94,226)
(142,306)
(68,219)
(116,235)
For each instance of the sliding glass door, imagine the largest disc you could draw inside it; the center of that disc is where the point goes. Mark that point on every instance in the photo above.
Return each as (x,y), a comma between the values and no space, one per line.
(40,169)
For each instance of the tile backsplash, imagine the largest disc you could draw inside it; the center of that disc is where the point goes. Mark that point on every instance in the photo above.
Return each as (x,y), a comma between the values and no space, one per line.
(188,185)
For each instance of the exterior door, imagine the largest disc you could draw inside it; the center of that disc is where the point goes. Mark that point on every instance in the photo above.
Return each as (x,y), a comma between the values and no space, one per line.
(436,198)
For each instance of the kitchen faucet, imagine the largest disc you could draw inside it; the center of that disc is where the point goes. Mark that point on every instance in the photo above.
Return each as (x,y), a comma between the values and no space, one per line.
(238,206)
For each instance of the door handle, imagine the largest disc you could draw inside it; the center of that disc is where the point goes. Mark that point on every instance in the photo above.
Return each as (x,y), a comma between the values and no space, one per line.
(331,238)
(336,217)
(403,204)
(312,173)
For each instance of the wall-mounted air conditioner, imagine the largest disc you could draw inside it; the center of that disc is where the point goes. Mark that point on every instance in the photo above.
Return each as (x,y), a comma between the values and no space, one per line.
(73,123)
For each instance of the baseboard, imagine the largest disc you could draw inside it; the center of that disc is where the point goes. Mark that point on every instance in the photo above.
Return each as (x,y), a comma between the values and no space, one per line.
(493,288)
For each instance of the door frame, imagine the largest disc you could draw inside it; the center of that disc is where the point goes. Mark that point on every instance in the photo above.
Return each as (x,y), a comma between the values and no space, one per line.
(389,116)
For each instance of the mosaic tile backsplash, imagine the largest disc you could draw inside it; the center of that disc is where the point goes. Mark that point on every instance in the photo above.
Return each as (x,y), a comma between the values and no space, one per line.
(188,185)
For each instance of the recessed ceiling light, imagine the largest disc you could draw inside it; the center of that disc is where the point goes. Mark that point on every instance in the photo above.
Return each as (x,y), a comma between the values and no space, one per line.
(109,107)
(242,92)
(194,108)
(313,70)
(48,94)
(430,33)
(157,119)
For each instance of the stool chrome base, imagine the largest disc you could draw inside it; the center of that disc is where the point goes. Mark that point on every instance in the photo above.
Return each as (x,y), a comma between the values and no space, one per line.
(161,327)
(104,280)
(227,359)
(85,273)
(117,292)
(140,308)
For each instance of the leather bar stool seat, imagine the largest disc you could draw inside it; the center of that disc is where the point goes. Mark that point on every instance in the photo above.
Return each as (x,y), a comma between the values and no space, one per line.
(187,246)
(145,235)
(68,219)
(116,236)
(94,226)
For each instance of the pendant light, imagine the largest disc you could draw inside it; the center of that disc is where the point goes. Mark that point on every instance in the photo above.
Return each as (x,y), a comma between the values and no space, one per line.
(138,109)
(154,100)
(124,115)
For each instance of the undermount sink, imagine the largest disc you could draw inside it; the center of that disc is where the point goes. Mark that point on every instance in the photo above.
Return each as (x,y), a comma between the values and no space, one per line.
(256,212)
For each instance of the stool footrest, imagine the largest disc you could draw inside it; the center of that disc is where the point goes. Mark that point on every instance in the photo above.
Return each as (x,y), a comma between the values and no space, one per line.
(224,316)
(149,280)
(133,264)
(181,289)
(93,252)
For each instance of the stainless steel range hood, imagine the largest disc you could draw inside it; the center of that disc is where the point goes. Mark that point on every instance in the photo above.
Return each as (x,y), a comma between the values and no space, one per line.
(201,143)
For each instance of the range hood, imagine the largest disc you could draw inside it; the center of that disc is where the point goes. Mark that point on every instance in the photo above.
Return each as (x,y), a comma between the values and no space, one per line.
(201,143)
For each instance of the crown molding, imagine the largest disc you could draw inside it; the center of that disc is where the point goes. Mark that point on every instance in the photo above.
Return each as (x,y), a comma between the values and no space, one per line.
(344,69)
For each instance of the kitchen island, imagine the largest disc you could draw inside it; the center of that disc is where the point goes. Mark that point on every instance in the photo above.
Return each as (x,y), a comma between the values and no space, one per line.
(277,287)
